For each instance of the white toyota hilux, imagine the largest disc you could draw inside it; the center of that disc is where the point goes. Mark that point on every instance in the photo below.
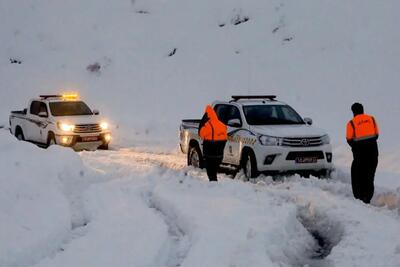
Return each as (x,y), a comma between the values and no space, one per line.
(63,120)
(264,136)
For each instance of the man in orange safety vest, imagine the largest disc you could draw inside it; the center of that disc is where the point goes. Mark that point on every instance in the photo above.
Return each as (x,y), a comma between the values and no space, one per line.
(362,134)
(214,135)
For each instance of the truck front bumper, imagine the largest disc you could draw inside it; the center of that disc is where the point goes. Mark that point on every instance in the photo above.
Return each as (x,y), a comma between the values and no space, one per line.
(84,142)
(280,159)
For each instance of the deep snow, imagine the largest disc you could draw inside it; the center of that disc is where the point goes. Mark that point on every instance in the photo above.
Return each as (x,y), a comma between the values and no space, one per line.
(146,64)
(34,213)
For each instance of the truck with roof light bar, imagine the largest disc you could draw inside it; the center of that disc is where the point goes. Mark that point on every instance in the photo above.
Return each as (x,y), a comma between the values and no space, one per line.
(264,136)
(63,120)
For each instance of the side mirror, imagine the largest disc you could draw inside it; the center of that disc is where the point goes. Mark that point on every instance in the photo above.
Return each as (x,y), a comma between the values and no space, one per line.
(96,112)
(234,123)
(42,114)
(308,121)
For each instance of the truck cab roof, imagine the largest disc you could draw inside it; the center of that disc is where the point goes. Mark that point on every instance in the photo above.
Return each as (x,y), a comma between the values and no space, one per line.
(252,100)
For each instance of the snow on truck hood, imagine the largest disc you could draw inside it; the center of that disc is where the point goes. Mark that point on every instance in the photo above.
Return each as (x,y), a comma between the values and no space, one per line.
(288,130)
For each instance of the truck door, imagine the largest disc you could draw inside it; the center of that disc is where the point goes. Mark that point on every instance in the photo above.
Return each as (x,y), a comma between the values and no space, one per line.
(230,116)
(35,122)
(43,119)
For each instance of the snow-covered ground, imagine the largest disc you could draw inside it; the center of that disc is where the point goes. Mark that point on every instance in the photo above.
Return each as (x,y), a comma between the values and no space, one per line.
(136,208)
(161,61)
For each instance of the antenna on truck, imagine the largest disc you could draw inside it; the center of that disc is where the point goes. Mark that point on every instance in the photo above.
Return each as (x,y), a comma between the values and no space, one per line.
(238,97)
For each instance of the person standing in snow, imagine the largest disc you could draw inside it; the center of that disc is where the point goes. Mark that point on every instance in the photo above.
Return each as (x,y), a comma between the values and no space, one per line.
(214,135)
(362,134)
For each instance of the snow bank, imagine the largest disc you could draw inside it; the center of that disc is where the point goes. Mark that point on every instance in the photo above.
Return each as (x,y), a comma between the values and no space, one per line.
(35,215)
(121,229)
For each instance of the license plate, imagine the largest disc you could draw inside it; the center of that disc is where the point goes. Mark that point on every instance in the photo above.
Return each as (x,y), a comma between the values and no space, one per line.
(90,138)
(306,160)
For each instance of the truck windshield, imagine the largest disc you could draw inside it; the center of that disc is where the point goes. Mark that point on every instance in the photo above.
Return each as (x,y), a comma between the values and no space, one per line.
(75,108)
(271,115)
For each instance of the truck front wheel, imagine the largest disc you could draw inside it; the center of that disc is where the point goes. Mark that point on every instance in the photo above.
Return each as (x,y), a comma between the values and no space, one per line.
(249,165)
(51,140)
(103,147)
(195,158)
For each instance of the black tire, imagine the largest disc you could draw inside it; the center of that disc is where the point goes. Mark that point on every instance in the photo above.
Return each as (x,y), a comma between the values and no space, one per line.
(51,139)
(19,134)
(249,165)
(325,174)
(103,147)
(195,158)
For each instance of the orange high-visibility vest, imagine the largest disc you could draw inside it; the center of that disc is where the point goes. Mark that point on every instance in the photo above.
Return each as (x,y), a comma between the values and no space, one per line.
(213,129)
(362,127)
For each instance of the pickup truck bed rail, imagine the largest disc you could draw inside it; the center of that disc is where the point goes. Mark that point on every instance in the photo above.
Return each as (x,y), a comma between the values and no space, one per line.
(19,112)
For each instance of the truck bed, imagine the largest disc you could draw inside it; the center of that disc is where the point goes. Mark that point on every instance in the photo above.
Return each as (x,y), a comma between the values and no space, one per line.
(19,112)
(190,123)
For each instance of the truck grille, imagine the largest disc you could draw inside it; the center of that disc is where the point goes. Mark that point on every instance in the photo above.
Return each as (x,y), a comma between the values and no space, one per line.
(302,141)
(87,128)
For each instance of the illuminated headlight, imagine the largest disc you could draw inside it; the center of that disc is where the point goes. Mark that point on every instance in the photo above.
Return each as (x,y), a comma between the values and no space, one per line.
(325,139)
(270,140)
(107,138)
(66,127)
(66,140)
(104,125)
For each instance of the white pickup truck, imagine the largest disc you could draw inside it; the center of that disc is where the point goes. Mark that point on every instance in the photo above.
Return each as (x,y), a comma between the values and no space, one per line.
(60,119)
(264,136)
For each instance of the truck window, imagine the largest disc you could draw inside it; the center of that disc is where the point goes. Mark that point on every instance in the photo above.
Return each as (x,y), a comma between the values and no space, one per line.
(227,112)
(43,108)
(69,108)
(271,115)
(35,108)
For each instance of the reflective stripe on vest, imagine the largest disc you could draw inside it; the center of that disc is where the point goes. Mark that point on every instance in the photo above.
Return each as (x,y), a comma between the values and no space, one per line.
(365,137)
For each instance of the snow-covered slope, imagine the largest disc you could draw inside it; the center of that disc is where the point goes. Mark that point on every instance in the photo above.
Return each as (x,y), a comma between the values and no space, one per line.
(320,56)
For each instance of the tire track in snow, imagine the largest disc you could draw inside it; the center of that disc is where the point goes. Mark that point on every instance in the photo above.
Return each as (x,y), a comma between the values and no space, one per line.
(179,240)
(326,232)
(179,245)
(79,220)
(339,185)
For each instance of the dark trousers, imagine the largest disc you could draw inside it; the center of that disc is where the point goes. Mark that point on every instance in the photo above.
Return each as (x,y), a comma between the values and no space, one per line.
(362,176)
(213,155)
(212,165)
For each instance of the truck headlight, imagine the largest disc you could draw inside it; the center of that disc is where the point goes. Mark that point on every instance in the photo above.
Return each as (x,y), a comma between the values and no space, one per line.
(104,125)
(325,139)
(66,127)
(107,138)
(270,140)
(66,140)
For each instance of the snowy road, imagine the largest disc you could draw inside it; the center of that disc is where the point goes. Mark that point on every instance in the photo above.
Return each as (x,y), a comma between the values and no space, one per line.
(148,209)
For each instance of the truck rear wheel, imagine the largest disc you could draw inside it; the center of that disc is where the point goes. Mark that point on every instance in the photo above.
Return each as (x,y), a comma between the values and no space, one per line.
(249,165)
(195,158)
(19,134)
